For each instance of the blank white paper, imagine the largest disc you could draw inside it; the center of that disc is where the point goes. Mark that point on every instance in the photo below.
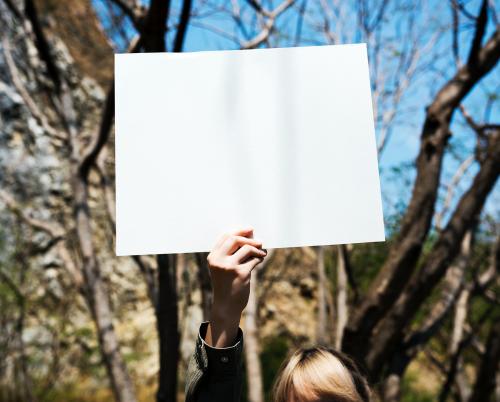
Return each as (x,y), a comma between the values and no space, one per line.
(281,140)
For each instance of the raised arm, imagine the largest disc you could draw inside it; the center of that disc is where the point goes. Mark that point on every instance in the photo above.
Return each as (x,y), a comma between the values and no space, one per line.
(231,263)
(215,369)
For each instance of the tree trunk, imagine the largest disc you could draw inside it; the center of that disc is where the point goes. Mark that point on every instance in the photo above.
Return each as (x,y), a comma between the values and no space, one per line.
(94,288)
(251,345)
(167,320)
(342,311)
(406,249)
(414,343)
(484,387)
(153,40)
(97,299)
(444,251)
(205,284)
(321,330)
(459,321)
(497,388)
(391,391)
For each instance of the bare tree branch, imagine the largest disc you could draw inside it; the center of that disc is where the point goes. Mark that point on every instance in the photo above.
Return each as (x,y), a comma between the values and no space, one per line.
(182,26)
(155,26)
(406,249)
(53,230)
(252,345)
(42,44)
(99,141)
(459,6)
(107,189)
(270,18)
(342,306)
(485,279)
(102,136)
(203,276)
(168,327)
(444,250)
(451,190)
(28,100)
(414,342)
(454,282)
(149,277)
(480,129)
(490,364)
(321,327)
(14,9)
(482,20)
(455,41)
(6,279)
(256,6)
(454,372)
(132,9)
(300,21)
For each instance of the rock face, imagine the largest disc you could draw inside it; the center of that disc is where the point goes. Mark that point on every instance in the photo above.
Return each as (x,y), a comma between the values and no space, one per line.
(76,24)
(55,333)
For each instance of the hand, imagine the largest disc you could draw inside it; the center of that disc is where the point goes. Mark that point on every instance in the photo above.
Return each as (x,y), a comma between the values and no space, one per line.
(231,263)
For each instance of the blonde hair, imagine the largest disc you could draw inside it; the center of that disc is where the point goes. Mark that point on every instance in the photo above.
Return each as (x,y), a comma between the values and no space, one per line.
(323,374)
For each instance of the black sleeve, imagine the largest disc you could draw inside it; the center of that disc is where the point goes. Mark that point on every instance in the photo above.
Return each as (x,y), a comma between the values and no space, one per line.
(215,374)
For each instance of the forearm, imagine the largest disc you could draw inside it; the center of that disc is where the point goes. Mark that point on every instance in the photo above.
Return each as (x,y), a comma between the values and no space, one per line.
(215,369)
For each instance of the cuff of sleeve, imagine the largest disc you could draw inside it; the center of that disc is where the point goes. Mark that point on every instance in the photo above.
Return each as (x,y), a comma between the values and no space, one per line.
(219,361)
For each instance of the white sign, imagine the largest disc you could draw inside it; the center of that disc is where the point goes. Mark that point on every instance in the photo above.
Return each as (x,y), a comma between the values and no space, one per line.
(281,140)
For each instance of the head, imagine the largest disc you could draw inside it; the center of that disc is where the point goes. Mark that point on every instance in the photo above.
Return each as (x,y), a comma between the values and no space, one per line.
(320,374)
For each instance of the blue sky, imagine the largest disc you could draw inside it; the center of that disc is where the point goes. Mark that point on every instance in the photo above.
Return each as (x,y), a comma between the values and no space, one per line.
(431,21)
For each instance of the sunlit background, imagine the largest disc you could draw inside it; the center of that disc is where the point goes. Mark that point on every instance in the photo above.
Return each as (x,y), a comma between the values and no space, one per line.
(419,312)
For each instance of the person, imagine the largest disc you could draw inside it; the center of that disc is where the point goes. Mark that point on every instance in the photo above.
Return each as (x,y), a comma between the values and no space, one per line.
(316,374)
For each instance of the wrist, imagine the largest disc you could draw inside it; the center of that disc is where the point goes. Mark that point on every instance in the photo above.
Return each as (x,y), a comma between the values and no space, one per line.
(223,327)
(224,314)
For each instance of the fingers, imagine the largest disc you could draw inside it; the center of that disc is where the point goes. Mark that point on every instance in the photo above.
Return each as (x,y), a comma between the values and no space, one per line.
(252,263)
(233,243)
(245,232)
(221,240)
(247,251)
